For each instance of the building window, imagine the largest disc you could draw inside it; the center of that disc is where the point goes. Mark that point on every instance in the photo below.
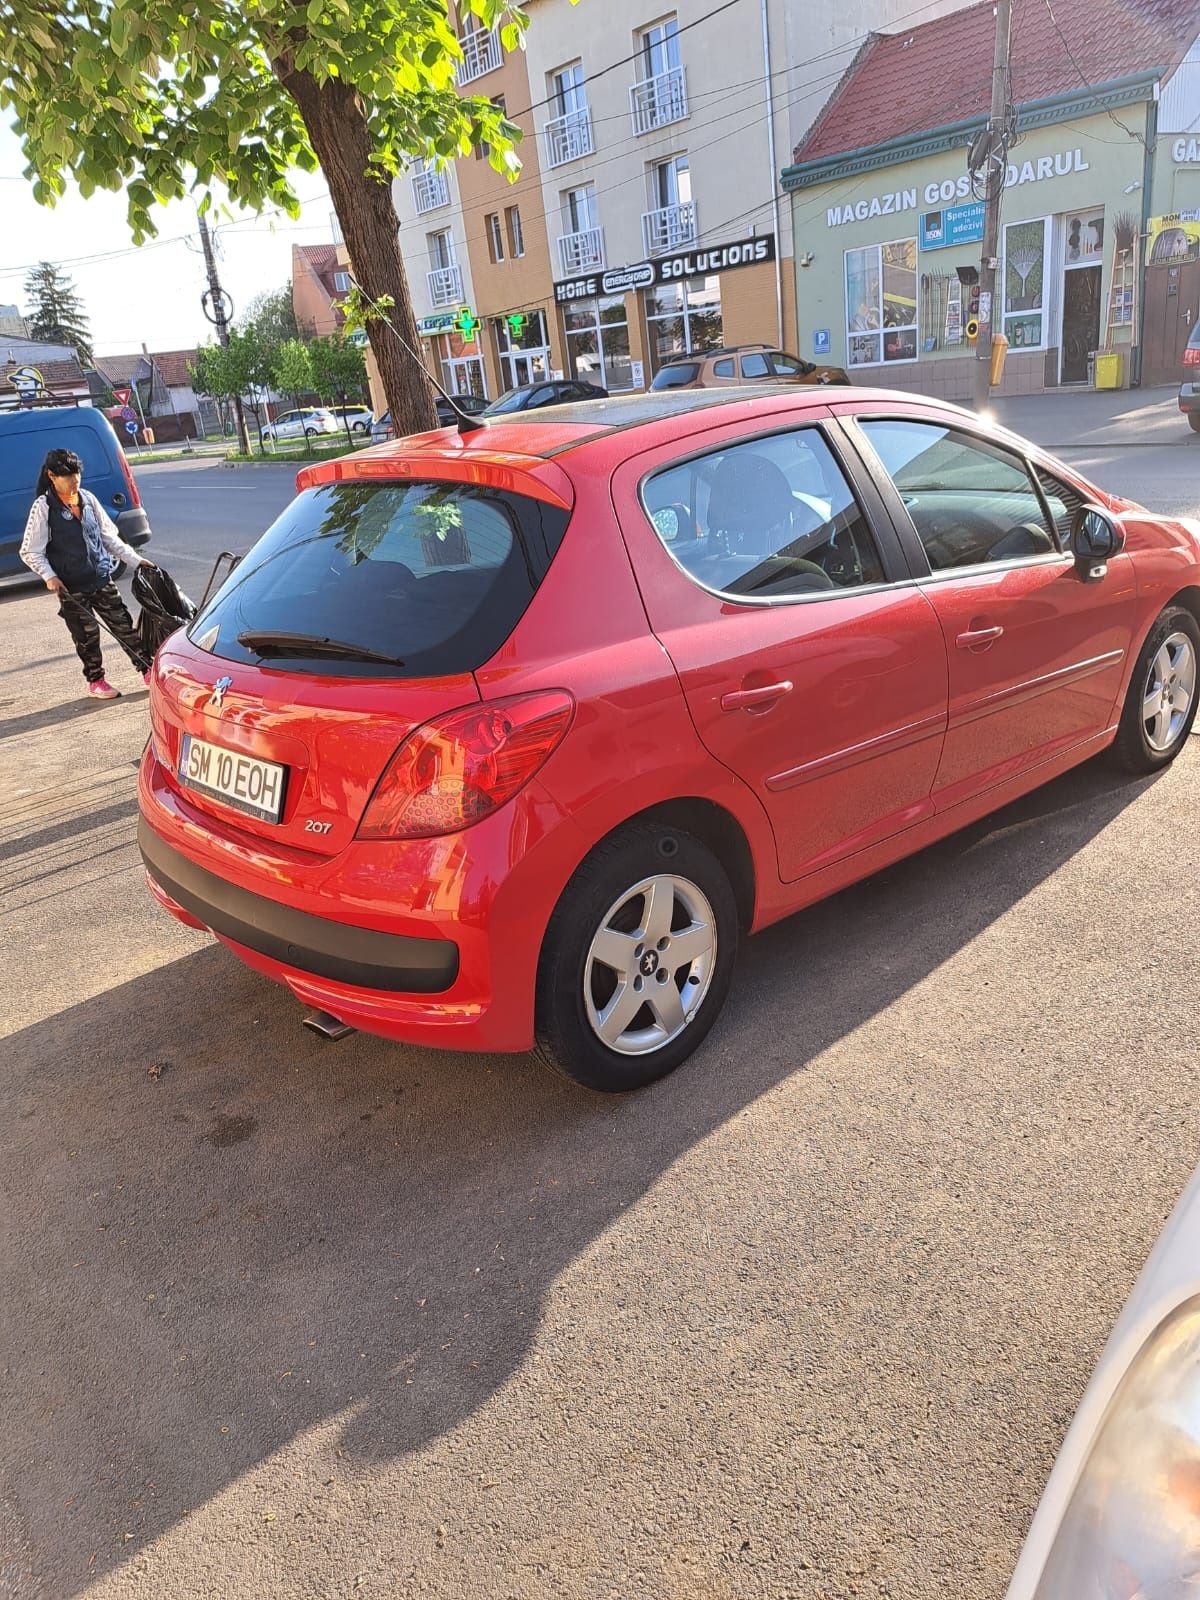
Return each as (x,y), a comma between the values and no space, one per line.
(683,317)
(495,236)
(524,351)
(516,239)
(341,282)
(659,97)
(461,365)
(598,342)
(1026,249)
(881,303)
(569,131)
(670,224)
(483,149)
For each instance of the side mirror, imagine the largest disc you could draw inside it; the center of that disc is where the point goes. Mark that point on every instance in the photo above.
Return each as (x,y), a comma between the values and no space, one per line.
(1095,538)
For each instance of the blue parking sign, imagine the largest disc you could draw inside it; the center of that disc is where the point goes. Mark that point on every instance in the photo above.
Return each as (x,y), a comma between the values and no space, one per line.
(821,345)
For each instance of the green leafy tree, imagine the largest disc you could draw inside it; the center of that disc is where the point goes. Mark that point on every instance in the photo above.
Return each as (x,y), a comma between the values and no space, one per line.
(272,313)
(240,370)
(165,98)
(56,312)
(338,372)
(291,368)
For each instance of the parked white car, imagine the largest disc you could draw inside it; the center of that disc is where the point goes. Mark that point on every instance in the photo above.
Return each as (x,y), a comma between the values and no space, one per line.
(1120,1516)
(356,418)
(304,424)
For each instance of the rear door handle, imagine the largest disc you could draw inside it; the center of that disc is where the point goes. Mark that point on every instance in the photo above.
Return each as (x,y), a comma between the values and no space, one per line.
(755,699)
(974,637)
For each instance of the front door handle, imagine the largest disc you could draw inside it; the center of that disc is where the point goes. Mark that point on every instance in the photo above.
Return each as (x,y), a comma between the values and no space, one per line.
(978,638)
(755,699)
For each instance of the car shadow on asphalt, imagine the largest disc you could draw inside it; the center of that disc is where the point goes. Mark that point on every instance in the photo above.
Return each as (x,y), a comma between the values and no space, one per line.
(222,1232)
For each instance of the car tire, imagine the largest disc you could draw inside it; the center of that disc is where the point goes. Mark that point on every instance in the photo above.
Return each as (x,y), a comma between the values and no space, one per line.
(1167,670)
(310,433)
(647,871)
(1193,418)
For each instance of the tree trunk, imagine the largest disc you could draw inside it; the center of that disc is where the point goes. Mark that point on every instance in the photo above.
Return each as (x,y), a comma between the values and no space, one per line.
(371,230)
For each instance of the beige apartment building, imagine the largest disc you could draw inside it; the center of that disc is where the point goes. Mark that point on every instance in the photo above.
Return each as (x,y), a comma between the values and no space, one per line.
(647,221)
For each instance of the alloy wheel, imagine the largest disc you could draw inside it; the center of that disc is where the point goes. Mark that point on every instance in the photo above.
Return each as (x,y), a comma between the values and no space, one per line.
(649,965)
(1169,691)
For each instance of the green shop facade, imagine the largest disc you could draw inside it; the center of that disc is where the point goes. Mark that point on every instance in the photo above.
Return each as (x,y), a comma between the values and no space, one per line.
(888,241)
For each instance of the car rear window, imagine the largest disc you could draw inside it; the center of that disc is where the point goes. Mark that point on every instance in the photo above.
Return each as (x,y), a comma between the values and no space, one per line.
(676,375)
(434,574)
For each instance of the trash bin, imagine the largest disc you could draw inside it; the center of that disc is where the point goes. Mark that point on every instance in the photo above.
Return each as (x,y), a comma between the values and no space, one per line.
(1110,369)
(999,355)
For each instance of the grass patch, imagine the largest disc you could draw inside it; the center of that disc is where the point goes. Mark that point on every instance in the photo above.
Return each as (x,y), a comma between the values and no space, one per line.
(299,454)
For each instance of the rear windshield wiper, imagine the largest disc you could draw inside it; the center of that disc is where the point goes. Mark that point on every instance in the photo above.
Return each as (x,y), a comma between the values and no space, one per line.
(272,643)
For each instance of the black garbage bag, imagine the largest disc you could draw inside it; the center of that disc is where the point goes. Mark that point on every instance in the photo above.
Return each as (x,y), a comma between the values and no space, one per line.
(164,606)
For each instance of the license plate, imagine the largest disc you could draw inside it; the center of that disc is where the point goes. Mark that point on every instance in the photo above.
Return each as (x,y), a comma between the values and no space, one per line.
(244,782)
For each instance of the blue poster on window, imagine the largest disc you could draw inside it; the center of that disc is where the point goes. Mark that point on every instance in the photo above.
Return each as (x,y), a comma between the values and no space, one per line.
(954,225)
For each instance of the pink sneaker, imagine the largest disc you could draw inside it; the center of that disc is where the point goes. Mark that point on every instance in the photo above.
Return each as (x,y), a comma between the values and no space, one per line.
(103,690)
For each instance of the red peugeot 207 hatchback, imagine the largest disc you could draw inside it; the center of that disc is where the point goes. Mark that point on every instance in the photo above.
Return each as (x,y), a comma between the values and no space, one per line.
(503,740)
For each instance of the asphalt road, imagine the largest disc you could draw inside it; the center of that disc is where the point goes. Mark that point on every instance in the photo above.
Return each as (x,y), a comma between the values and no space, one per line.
(805,1321)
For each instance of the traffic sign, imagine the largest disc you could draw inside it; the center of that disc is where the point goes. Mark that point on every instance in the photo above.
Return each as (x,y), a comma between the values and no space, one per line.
(121,396)
(131,427)
(128,413)
(358,339)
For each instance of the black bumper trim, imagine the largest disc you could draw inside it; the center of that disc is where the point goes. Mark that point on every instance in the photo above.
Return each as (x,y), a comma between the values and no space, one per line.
(337,950)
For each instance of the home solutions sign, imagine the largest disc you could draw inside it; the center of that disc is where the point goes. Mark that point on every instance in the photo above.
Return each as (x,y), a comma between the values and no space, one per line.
(1060,165)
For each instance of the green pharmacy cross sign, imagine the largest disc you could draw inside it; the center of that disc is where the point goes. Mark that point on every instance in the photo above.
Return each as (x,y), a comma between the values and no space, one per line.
(467,324)
(516,323)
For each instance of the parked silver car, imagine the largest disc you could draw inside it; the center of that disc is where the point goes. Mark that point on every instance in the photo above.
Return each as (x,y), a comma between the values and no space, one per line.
(305,424)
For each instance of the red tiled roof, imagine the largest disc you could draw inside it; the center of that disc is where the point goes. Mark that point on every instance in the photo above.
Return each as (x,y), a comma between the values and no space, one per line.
(321,258)
(173,366)
(941,72)
(119,370)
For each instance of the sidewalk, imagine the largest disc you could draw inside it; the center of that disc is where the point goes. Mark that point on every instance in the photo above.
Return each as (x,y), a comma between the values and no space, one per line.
(1068,418)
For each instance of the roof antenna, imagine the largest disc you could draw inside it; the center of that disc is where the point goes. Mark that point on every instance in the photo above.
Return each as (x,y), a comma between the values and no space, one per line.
(466,422)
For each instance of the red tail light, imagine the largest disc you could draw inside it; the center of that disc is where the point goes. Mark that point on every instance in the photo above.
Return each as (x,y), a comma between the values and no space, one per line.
(135,498)
(1191,356)
(455,771)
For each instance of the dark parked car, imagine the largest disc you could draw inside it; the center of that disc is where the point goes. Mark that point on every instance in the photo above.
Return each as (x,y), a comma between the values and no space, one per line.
(550,392)
(1189,388)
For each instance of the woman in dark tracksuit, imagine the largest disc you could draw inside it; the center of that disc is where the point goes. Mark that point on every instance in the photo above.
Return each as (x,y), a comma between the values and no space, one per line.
(74,548)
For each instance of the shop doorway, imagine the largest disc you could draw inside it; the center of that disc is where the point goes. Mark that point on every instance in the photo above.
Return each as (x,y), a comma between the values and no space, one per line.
(1172,302)
(523,347)
(465,375)
(1080,322)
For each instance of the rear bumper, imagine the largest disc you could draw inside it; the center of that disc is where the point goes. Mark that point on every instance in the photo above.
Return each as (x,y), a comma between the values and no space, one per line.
(1189,397)
(361,957)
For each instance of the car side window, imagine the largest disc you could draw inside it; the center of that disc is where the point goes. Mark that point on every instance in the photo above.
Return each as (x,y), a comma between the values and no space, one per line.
(541,397)
(1064,502)
(970,501)
(768,519)
(723,369)
(755,366)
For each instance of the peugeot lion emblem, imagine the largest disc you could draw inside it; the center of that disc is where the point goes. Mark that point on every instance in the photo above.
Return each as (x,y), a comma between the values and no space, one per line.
(219,692)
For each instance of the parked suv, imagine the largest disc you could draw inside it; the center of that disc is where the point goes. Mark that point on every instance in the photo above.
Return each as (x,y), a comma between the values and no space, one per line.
(25,437)
(742,363)
(1189,388)
(304,424)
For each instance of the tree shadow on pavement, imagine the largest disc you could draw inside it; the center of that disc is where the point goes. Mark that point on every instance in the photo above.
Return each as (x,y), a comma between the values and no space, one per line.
(203,1261)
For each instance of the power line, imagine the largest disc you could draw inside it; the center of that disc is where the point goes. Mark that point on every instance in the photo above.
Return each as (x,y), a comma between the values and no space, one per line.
(1130,133)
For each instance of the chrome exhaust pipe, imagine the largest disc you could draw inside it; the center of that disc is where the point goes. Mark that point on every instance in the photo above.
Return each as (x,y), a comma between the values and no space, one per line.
(327,1025)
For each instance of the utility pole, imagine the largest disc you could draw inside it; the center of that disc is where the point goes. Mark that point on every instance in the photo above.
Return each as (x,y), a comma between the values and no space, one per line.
(214,304)
(997,156)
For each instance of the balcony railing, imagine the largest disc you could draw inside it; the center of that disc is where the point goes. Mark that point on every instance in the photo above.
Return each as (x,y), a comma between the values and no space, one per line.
(445,286)
(430,190)
(656,102)
(481,53)
(569,137)
(581,252)
(669,228)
